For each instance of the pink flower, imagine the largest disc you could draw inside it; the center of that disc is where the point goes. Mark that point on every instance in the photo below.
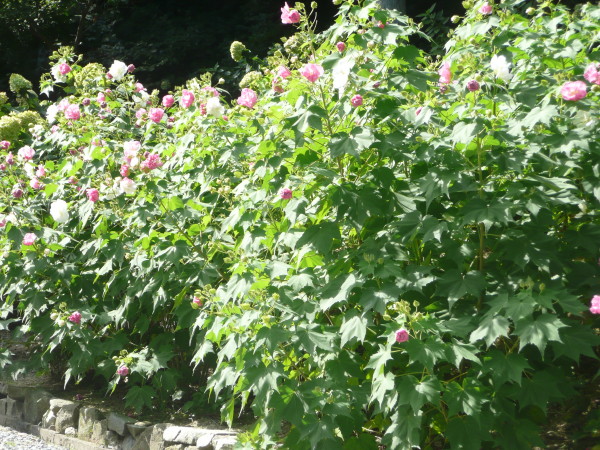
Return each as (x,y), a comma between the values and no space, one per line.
(248,98)
(340,46)
(63,105)
(445,73)
(109,75)
(4,145)
(156,114)
(123,370)
(591,74)
(187,98)
(131,149)
(595,304)
(283,72)
(101,97)
(72,112)
(92,194)
(40,172)
(151,162)
(64,68)
(486,9)
(357,100)
(285,193)
(312,72)
(29,239)
(473,85)
(124,170)
(168,100)
(75,317)
(573,90)
(212,90)
(17,193)
(139,87)
(26,153)
(402,335)
(35,184)
(380,24)
(197,301)
(2,167)
(140,113)
(72,180)
(86,101)
(130,68)
(289,15)
(10,159)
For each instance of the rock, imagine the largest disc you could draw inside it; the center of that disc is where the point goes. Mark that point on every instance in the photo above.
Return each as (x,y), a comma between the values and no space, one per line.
(87,417)
(3,406)
(70,431)
(3,389)
(182,435)
(151,438)
(57,403)
(49,420)
(176,447)
(17,392)
(36,403)
(112,439)
(13,408)
(67,416)
(135,429)
(204,442)
(118,423)
(99,432)
(224,442)
(127,443)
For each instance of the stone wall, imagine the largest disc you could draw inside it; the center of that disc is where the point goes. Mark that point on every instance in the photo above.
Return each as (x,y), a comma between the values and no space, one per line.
(79,427)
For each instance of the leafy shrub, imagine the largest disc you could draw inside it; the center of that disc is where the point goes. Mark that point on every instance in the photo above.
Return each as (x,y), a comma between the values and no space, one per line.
(374,248)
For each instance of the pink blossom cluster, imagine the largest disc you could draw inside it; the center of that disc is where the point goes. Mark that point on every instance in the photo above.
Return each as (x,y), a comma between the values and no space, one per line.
(402,335)
(289,15)
(151,162)
(248,98)
(75,317)
(591,74)
(312,72)
(595,304)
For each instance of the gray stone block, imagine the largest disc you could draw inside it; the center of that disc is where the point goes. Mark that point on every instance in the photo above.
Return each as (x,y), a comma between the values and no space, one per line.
(3,389)
(87,417)
(68,416)
(36,403)
(14,408)
(99,432)
(18,392)
(224,442)
(135,429)
(151,438)
(57,403)
(127,443)
(118,423)
(204,442)
(49,419)
(112,439)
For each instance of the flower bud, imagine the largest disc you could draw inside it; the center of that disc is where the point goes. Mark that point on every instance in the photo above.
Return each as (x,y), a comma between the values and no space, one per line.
(530,11)
(455,19)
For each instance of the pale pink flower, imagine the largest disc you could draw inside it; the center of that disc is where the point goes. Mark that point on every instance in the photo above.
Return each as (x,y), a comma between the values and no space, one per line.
(156,114)
(140,113)
(40,172)
(131,149)
(340,46)
(92,195)
(283,72)
(285,193)
(101,97)
(123,370)
(486,9)
(75,317)
(211,90)
(402,335)
(445,73)
(289,15)
(127,185)
(26,153)
(29,239)
(312,72)
(72,112)
(591,74)
(247,98)
(35,184)
(63,105)
(10,159)
(124,170)
(595,304)
(168,100)
(151,162)
(573,90)
(139,87)
(64,68)
(356,101)
(187,98)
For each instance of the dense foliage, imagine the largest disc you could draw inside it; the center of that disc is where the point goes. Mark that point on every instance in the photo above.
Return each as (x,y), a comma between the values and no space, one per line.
(368,247)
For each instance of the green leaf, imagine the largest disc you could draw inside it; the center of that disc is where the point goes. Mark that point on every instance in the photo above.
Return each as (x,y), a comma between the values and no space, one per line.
(467,398)
(339,290)
(539,331)
(380,388)
(263,381)
(139,397)
(465,132)
(490,329)
(321,236)
(505,368)
(454,285)
(351,144)
(464,432)
(354,328)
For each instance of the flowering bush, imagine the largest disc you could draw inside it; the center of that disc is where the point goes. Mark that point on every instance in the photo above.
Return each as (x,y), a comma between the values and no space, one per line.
(384,250)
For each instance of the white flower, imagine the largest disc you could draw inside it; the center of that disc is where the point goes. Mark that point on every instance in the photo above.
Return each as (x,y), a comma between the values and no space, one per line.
(340,74)
(29,169)
(118,70)
(55,71)
(127,185)
(51,113)
(500,67)
(59,211)
(214,107)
